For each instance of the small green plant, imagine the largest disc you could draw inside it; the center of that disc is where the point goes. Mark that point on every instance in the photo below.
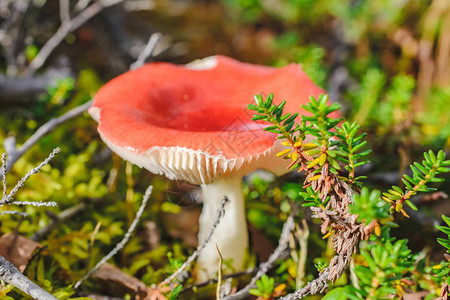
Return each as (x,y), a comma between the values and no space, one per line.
(173,295)
(265,286)
(174,263)
(368,207)
(385,266)
(266,289)
(350,147)
(443,269)
(57,94)
(321,265)
(423,174)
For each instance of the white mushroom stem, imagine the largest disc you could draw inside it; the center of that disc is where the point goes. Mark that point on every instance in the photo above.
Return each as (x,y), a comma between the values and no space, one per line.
(231,234)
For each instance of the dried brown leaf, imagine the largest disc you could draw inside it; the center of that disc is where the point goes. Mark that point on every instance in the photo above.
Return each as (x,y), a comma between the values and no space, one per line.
(17,249)
(118,282)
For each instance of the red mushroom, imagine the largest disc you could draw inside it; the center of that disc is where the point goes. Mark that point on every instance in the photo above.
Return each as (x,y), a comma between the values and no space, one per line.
(191,123)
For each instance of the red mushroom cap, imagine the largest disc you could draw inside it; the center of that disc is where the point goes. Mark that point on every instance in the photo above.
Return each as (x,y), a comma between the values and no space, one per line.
(193,124)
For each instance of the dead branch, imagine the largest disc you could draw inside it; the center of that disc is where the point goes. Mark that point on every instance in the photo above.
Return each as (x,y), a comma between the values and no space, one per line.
(10,31)
(123,242)
(147,51)
(10,274)
(68,26)
(23,90)
(220,214)
(225,276)
(348,232)
(283,245)
(6,198)
(9,143)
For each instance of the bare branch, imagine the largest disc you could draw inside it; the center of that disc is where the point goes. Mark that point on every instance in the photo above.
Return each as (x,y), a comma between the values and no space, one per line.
(34,203)
(317,285)
(7,198)
(122,243)
(302,235)
(10,274)
(215,280)
(151,44)
(283,244)
(66,28)
(219,277)
(81,4)
(220,214)
(9,34)
(139,5)
(24,90)
(348,232)
(4,171)
(445,291)
(43,130)
(64,11)
(14,212)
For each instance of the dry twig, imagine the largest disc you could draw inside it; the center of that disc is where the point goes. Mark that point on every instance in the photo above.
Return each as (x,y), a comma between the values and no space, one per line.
(224,276)
(6,198)
(67,26)
(301,235)
(123,242)
(445,291)
(220,214)
(8,272)
(348,232)
(283,245)
(10,145)
(10,31)
(147,51)
(219,275)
